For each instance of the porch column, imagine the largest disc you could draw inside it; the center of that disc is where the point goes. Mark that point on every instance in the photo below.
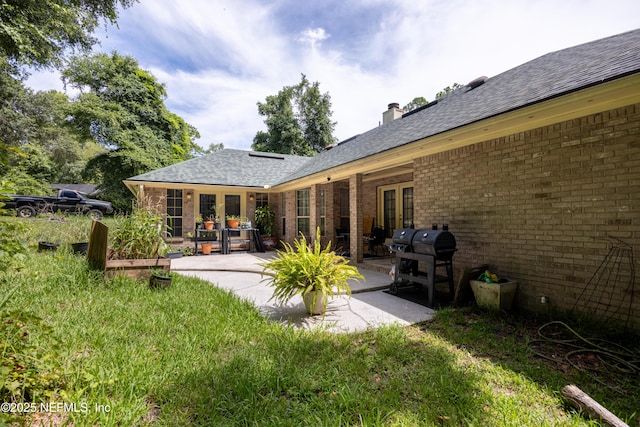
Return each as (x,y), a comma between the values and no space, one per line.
(355,218)
(314,220)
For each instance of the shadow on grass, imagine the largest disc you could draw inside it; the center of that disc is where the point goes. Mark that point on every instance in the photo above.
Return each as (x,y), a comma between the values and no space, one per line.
(516,342)
(291,378)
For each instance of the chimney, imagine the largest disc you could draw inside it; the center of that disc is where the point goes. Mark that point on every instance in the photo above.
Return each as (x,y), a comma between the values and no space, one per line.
(394,112)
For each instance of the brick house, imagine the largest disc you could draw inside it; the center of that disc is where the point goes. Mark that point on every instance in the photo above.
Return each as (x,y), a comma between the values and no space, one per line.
(536,171)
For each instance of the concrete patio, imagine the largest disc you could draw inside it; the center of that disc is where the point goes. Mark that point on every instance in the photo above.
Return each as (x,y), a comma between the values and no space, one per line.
(368,307)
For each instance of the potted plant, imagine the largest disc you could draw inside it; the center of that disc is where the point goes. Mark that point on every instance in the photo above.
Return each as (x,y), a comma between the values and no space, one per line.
(210,222)
(265,221)
(307,270)
(245,223)
(206,247)
(493,293)
(159,278)
(47,246)
(233,221)
(80,248)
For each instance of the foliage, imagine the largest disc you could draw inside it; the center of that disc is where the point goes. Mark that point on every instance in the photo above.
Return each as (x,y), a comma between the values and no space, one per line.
(12,247)
(212,149)
(38,32)
(304,268)
(196,354)
(138,236)
(28,185)
(420,101)
(29,356)
(121,107)
(159,272)
(298,120)
(448,89)
(265,220)
(416,103)
(37,141)
(15,124)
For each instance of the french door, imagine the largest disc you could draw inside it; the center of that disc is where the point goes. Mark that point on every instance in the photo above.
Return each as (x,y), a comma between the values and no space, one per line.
(395,207)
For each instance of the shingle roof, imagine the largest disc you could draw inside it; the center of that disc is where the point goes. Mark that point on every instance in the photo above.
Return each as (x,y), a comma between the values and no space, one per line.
(229,167)
(546,77)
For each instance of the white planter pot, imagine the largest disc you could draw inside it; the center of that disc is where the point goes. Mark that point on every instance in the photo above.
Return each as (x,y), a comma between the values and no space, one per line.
(314,302)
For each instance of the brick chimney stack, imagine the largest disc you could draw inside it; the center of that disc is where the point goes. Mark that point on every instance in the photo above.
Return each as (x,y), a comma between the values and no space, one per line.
(394,112)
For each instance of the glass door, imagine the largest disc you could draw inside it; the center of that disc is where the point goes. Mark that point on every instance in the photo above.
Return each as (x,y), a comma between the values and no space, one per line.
(208,207)
(395,207)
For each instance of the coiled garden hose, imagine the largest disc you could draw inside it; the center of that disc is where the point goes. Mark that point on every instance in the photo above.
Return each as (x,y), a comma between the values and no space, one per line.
(615,356)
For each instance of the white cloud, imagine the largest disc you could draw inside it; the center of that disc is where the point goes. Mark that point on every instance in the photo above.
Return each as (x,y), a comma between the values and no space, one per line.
(313,36)
(218,58)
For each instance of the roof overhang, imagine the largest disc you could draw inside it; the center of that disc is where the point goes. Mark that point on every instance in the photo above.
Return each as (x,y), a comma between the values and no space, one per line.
(601,97)
(135,186)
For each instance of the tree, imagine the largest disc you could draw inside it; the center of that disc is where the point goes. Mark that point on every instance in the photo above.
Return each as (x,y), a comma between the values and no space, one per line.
(298,120)
(213,147)
(121,107)
(37,33)
(420,101)
(36,136)
(416,103)
(448,89)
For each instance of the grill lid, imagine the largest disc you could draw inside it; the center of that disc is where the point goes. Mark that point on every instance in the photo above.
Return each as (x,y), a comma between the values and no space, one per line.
(403,236)
(439,243)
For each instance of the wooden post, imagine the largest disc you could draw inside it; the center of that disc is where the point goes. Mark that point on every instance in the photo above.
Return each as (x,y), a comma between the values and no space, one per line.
(583,401)
(98,242)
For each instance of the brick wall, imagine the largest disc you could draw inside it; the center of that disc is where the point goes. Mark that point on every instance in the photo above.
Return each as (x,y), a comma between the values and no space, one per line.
(545,207)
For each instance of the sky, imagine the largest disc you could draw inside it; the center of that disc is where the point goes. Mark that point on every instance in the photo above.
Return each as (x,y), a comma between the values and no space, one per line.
(218,58)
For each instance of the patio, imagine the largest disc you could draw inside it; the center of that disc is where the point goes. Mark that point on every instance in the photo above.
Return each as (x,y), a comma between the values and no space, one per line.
(368,307)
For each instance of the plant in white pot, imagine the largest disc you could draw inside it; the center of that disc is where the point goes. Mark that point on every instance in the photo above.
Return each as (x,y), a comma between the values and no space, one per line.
(307,270)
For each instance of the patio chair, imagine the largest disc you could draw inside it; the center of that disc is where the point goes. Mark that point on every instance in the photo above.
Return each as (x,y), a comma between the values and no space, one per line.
(367,225)
(376,240)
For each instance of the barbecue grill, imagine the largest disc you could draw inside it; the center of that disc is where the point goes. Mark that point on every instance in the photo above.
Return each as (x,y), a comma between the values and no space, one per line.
(435,248)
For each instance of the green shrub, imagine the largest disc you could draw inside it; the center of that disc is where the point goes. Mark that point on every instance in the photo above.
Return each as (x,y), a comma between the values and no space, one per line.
(29,371)
(139,236)
(12,247)
(305,268)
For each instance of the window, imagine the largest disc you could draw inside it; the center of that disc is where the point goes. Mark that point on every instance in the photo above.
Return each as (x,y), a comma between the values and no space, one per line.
(283,213)
(407,207)
(303,212)
(231,207)
(262,199)
(344,209)
(208,206)
(322,213)
(174,212)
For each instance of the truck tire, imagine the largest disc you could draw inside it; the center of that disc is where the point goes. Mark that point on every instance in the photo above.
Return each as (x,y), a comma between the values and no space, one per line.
(95,214)
(26,211)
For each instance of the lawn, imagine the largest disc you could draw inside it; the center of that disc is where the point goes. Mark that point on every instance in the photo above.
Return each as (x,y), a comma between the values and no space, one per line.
(114,352)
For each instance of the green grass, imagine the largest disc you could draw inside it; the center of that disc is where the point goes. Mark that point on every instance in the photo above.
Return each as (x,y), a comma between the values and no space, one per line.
(194,354)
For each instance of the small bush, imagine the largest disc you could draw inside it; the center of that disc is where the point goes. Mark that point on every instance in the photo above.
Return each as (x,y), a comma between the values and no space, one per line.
(139,236)
(28,357)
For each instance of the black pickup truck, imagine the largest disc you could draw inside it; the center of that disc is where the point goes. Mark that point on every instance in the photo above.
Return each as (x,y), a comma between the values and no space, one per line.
(67,201)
